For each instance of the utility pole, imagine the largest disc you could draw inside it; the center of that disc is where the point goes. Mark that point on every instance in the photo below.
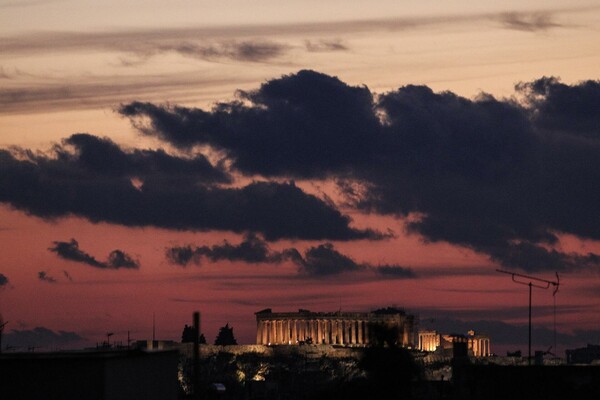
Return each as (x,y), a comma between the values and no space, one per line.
(2,325)
(532,282)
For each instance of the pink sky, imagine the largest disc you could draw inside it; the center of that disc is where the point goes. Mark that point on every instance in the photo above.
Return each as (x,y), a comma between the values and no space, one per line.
(66,67)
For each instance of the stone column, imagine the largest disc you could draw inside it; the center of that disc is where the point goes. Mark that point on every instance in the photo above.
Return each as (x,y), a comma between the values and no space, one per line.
(359,336)
(288,334)
(367,340)
(327,330)
(341,331)
(274,332)
(279,331)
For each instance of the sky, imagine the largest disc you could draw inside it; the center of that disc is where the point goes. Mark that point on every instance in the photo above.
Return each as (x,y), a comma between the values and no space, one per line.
(163,157)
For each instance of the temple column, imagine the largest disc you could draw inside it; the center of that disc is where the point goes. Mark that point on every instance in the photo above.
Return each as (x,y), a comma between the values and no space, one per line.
(258,332)
(294,332)
(346,332)
(304,329)
(274,338)
(341,331)
(266,334)
(280,331)
(359,336)
(319,338)
(327,330)
(367,332)
(353,332)
(272,331)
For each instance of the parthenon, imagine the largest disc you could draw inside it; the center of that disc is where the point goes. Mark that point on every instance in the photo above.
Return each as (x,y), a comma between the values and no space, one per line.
(335,328)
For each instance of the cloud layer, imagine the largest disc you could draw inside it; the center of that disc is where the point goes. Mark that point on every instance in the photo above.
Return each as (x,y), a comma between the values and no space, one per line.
(322,260)
(502,177)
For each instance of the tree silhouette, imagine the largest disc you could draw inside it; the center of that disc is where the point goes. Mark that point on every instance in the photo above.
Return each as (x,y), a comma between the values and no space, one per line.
(188,335)
(225,336)
(390,368)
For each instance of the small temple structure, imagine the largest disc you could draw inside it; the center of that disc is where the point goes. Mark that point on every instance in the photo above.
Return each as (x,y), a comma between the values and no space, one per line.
(478,345)
(333,328)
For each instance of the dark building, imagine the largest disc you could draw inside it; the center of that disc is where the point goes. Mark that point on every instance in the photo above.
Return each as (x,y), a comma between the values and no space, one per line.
(584,355)
(97,375)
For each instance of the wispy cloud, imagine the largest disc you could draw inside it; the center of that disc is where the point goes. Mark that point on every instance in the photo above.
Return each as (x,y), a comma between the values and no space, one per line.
(170,38)
(530,22)
(45,277)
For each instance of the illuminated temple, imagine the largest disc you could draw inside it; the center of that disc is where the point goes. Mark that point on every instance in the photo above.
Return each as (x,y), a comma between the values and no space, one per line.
(335,328)
(478,345)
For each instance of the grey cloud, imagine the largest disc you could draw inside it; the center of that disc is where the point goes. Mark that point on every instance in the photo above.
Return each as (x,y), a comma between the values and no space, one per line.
(251,250)
(118,259)
(44,277)
(322,260)
(532,21)
(70,251)
(318,46)
(68,276)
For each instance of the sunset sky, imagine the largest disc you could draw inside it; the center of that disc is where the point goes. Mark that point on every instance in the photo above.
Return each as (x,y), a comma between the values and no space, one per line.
(163,157)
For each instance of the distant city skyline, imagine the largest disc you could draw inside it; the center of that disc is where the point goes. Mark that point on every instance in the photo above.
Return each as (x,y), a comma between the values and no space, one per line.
(158,158)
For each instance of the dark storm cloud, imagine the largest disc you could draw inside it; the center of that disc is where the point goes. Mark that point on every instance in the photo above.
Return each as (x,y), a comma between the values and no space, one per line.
(3,280)
(70,251)
(102,183)
(44,277)
(502,177)
(293,127)
(39,337)
(558,107)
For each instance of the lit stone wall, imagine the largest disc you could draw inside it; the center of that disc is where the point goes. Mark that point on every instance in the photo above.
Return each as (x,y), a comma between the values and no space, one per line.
(337,328)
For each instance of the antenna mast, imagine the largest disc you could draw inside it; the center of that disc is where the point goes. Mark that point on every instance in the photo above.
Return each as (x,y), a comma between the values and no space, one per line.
(539,283)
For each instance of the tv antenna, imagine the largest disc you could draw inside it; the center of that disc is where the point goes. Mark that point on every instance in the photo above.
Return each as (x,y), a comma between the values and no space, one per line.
(539,283)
